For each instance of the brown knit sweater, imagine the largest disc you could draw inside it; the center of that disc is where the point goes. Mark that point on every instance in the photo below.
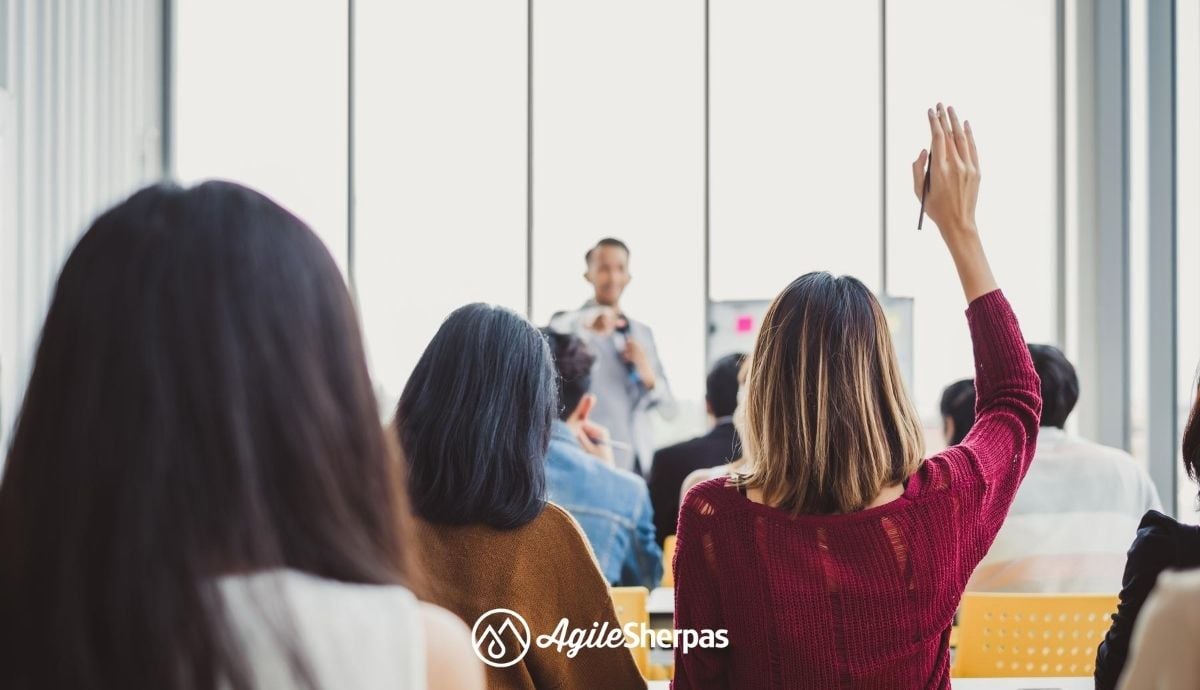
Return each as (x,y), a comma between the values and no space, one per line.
(545,572)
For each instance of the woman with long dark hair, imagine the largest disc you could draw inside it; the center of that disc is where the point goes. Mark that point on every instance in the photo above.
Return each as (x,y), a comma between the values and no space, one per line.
(198,493)
(474,421)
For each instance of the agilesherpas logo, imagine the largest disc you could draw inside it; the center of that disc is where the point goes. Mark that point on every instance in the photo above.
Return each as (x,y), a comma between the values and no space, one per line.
(502,637)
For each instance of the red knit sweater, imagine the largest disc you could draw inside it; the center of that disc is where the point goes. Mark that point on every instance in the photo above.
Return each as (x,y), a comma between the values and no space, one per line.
(866,599)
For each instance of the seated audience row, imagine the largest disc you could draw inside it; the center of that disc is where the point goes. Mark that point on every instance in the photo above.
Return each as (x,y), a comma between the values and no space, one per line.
(1069,529)
(200,494)
(1071,521)
(612,505)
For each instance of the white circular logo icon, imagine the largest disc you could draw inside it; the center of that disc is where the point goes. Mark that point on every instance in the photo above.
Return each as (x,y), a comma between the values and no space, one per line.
(501,637)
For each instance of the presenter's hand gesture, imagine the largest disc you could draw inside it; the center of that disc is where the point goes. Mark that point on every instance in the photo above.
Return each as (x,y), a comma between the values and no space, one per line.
(605,321)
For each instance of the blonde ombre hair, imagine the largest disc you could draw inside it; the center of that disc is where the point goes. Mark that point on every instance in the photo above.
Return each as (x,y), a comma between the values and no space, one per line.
(828,422)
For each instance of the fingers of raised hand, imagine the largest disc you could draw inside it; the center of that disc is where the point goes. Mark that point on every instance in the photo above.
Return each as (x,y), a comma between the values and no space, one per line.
(950,145)
(974,153)
(959,136)
(937,145)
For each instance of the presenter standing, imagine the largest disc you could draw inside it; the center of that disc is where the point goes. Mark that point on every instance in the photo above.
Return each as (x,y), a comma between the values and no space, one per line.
(628,377)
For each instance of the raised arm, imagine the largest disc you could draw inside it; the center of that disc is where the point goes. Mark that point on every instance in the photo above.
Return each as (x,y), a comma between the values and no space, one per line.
(992,460)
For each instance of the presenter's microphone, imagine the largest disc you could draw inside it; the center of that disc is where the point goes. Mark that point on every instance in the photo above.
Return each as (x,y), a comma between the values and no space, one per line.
(623,328)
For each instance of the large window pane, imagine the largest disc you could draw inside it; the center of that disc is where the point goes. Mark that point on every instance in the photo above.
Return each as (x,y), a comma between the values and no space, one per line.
(440,167)
(618,147)
(795,143)
(260,98)
(1001,76)
(1137,258)
(1187,170)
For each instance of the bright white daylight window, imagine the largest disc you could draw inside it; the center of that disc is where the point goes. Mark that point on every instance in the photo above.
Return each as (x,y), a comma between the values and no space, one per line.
(482,176)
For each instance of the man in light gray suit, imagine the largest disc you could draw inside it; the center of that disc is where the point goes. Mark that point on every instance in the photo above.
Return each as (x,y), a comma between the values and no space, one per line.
(628,377)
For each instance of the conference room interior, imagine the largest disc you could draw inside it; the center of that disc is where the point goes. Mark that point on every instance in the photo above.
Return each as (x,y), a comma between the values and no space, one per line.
(472,151)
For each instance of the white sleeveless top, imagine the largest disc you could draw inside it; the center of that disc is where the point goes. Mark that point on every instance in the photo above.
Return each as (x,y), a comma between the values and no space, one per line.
(350,636)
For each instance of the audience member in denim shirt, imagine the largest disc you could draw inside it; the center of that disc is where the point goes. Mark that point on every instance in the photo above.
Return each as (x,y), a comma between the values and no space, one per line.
(611,505)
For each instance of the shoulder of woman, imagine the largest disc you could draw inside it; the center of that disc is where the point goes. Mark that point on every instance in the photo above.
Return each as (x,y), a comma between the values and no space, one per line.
(557,525)
(1156,520)
(563,547)
(1158,541)
(706,497)
(1174,605)
(1156,526)
(448,657)
(313,591)
(1184,584)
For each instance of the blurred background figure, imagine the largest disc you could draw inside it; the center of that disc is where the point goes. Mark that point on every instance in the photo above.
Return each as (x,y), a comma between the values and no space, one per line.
(742,460)
(1069,526)
(719,446)
(612,505)
(627,377)
(958,410)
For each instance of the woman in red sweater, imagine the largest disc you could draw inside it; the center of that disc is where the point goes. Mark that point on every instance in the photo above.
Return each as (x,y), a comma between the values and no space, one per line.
(839,560)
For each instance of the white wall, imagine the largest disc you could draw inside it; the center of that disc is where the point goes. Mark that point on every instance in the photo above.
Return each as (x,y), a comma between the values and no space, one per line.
(618,150)
(440,170)
(446,190)
(79,129)
(261,98)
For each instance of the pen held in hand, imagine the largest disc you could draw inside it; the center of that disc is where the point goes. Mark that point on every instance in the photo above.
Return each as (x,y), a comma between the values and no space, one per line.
(925,191)
(615,444)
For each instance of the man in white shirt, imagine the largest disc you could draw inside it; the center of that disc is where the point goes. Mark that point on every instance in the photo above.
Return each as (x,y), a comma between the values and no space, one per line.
(1078,508)
(628,376)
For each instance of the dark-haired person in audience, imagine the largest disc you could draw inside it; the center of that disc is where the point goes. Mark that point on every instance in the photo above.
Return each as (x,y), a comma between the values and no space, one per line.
(738,465)
(199,493)
(1161,544)
(628,376)
(720,445)
(839,559)
(958,410)
(1069,527)
(612,505)
(475,421)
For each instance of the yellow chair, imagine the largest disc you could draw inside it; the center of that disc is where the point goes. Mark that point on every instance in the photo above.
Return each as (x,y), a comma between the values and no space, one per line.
(668,579)
(632,606)
(1030,635)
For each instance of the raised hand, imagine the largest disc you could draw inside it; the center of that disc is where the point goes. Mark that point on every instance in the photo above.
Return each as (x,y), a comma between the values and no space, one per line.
(953,191)
(953,175)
